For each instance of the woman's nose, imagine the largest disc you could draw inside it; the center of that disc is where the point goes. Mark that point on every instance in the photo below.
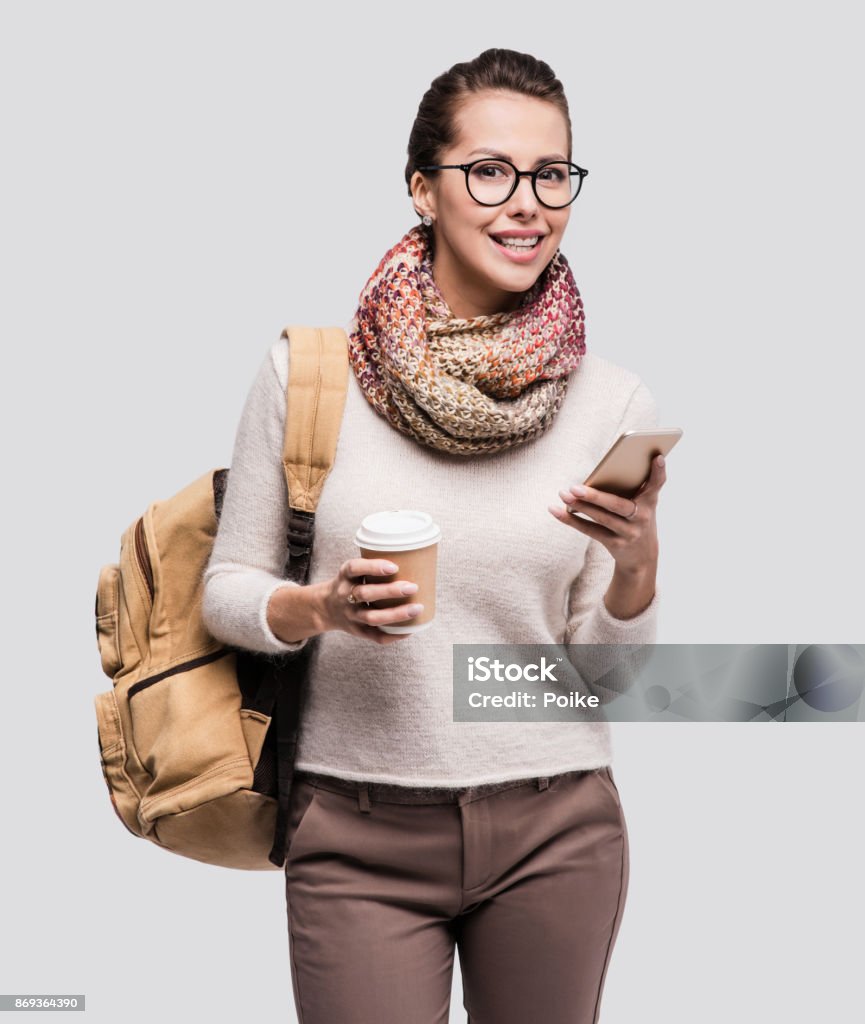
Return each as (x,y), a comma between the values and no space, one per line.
(524,198)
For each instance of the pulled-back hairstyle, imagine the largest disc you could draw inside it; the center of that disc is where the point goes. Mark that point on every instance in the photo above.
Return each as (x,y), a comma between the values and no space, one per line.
(435,128)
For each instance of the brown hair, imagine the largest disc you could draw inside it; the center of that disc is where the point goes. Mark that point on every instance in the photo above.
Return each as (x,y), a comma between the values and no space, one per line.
(434,128)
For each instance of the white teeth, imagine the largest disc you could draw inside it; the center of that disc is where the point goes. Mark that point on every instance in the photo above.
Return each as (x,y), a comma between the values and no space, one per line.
(519,243)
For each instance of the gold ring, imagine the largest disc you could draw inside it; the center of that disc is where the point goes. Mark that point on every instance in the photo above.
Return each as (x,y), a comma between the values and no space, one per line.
(631,516)
(351,598)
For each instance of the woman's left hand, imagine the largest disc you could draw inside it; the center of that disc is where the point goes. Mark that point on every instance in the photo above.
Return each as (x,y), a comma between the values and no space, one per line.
(625,526)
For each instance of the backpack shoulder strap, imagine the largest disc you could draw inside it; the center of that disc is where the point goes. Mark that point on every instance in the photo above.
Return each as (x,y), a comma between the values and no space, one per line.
(315,400)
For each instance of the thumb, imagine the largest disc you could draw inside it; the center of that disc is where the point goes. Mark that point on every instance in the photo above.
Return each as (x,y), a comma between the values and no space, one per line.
(656,477)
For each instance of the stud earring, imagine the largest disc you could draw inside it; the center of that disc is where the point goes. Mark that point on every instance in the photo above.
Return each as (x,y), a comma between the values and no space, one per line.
(426,220)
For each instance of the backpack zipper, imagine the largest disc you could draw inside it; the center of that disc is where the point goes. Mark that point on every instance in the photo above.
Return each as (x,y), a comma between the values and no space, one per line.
(186,666)
(143,556)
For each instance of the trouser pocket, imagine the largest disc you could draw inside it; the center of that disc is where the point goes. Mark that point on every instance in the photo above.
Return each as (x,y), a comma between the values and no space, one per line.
(605,777)
(303,796)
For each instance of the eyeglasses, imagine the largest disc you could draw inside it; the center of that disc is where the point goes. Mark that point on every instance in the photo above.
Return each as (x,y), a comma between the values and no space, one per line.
(493,182)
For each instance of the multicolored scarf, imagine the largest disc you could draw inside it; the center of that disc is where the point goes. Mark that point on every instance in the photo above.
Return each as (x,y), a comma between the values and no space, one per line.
(464,386)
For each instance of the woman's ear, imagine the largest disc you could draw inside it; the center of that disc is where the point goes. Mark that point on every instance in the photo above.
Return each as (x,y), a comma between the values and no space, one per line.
(423,195)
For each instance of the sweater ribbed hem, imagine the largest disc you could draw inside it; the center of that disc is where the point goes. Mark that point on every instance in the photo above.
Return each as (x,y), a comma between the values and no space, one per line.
(451,783)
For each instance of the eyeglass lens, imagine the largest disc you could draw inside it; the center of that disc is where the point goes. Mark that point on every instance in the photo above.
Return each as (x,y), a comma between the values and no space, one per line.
(491,181)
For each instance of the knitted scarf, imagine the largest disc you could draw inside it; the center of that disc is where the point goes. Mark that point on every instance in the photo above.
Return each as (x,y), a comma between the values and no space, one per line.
(464,386)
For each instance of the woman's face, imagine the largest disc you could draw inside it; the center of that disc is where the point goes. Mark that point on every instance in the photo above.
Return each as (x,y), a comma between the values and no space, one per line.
(475,274)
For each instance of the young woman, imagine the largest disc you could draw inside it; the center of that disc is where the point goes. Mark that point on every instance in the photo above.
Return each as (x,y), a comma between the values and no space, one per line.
(473,398)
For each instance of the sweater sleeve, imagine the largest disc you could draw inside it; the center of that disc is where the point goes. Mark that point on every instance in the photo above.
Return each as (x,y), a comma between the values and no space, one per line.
(589,622)
(251,544)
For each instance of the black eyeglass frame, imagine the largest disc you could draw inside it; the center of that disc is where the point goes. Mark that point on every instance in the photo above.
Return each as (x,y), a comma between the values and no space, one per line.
(466,168)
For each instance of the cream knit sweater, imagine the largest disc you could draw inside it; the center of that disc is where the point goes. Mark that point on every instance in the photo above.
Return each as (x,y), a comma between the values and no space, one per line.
(508,572)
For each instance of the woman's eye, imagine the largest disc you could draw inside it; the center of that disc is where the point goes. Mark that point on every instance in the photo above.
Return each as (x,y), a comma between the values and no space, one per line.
(552,174)
(489,170)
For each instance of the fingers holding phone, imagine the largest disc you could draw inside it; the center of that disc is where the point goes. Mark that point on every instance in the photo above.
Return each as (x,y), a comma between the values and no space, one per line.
(620,496)
(627,466)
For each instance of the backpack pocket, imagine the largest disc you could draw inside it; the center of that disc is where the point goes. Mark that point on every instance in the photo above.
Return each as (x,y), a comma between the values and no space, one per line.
(112,751)
(255,726)
(188,734)
(107,622)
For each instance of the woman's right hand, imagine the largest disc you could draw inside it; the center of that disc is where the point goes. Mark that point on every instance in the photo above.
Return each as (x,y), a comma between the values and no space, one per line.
(358,619)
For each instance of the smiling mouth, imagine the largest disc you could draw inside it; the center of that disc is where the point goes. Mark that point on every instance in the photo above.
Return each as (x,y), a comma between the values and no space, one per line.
(519,244)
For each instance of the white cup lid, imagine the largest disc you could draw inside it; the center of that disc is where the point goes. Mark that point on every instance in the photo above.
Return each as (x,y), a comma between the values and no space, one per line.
(397,529)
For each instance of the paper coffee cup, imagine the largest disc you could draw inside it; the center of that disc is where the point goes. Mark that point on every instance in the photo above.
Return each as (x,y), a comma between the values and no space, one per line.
(409,539)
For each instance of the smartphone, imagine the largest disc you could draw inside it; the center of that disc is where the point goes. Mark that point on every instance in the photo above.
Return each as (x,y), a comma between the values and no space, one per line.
(629,462)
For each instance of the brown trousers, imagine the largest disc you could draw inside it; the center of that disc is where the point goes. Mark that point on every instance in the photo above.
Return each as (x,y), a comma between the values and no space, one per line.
(527,878)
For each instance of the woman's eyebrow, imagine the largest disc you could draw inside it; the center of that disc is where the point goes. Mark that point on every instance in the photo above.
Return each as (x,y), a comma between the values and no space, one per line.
(504,156)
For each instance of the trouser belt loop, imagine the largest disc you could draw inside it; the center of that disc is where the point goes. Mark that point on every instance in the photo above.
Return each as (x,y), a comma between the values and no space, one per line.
(363,797)
(543,782)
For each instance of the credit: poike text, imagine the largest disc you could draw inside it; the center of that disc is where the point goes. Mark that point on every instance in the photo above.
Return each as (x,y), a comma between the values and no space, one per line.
(523,699)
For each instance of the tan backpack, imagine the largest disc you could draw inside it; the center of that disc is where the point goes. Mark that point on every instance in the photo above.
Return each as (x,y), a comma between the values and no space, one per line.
(197,738)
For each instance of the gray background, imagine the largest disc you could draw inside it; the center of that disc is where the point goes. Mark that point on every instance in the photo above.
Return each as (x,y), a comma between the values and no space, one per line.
(182,180)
